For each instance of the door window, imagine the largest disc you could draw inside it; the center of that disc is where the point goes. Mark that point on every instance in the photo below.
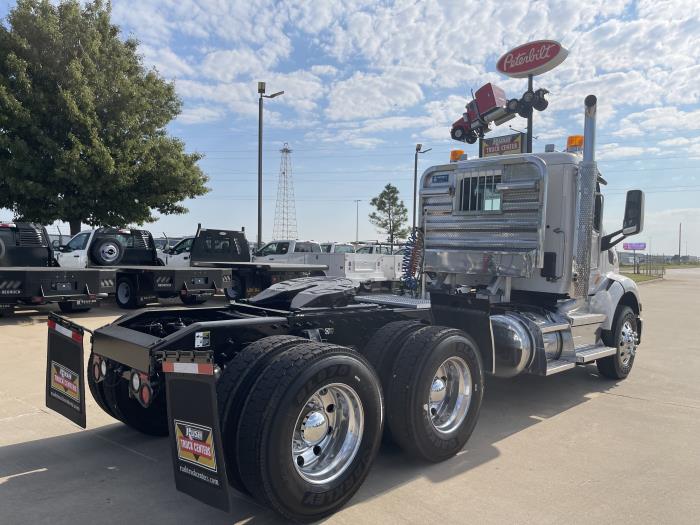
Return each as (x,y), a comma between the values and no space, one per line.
(306,247)
(182,247)
(79,242)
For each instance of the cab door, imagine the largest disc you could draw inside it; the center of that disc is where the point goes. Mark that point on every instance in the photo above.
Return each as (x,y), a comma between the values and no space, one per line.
(179,255)
(75,253)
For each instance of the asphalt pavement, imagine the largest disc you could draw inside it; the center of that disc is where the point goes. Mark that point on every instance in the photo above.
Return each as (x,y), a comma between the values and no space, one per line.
(571,448)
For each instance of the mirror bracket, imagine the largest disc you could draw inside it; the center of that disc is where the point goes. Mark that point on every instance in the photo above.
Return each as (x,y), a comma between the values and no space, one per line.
(608,241)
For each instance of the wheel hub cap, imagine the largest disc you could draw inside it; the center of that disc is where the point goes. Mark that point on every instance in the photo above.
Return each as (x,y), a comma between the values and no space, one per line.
(628,343)
(314,428)
(109,252)
(328,433)
(450,395)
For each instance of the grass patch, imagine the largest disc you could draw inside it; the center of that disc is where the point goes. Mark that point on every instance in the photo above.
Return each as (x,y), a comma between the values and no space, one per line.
(640,277)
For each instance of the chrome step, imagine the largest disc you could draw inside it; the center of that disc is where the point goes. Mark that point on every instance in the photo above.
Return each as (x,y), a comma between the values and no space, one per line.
(584,319)
(586,354)
(554,327)
(559,365)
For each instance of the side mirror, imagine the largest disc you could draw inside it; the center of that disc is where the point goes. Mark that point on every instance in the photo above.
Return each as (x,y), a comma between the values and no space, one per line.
(55,245)
(633,222)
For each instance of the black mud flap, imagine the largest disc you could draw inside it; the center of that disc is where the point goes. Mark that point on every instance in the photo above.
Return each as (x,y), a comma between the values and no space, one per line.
(65,383)
(195,437)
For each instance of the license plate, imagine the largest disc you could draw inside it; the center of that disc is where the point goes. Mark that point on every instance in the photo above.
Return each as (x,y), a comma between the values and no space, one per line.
(199,280)
(64,287)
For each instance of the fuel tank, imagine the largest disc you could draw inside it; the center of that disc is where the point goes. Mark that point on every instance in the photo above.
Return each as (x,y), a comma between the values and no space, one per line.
(519,336)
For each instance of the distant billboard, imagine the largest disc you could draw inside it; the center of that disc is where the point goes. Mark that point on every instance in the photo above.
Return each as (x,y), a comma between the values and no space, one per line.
(634,246)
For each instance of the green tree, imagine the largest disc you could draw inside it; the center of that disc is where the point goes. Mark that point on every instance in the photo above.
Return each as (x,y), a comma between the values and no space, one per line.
(391,215)
(82,122)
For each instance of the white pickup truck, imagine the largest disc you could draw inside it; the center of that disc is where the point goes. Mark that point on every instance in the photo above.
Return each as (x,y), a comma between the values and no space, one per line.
(368,270)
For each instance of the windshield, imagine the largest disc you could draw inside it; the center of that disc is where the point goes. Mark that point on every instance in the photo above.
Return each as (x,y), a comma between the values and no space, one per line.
(344,248)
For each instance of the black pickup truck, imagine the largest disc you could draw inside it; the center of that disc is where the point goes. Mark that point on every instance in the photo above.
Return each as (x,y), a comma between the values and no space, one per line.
(141,277)
(29,274)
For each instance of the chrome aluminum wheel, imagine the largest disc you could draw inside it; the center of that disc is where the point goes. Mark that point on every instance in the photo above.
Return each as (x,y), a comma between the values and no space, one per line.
(450,395)
(109,252)
(628,343)
(123,292)
(327,433)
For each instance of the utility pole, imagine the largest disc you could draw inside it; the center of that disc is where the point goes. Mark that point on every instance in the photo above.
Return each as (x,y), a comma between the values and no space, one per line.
(680,228)
(357,220)
(262,95)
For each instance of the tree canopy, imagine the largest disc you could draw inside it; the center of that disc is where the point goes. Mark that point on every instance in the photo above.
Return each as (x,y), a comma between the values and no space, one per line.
(82,122)
(391,215)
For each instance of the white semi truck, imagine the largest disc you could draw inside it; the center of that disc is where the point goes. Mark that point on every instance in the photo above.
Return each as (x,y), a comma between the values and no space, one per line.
(286,395)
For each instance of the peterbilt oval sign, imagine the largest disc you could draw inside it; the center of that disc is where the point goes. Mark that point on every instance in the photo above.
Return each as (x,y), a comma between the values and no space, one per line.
(533,58)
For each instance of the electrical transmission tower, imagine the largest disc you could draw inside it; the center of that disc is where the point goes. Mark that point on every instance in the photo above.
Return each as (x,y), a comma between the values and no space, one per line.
(285,211)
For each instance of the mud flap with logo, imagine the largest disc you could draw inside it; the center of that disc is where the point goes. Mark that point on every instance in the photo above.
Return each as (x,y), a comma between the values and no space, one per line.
(65,383)
(198,458)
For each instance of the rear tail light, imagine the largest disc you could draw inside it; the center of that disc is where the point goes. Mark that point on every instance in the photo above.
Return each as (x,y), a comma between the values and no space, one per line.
(140,388)
(99,368)
(145,395)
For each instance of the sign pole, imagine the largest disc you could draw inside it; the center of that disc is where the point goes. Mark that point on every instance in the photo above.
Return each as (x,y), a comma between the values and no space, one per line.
(529,117)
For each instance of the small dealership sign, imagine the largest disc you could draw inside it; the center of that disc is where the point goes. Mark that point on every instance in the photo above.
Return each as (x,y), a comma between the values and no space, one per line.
(634,246)
(504,145)
(533,58)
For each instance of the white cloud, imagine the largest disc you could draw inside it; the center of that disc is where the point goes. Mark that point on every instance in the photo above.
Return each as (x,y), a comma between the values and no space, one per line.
(659,119)
(201,115)
(613,150)
(166,61)
(364,95)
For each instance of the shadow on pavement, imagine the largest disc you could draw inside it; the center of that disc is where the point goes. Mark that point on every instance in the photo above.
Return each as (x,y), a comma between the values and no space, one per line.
(114,475)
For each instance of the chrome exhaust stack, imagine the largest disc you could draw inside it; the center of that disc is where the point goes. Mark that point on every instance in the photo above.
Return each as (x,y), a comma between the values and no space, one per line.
(588,173)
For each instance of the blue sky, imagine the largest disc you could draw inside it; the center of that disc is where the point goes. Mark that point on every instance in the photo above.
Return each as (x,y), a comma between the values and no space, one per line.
(365,81)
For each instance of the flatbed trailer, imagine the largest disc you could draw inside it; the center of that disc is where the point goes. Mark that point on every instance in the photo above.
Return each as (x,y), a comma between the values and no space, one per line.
(250,278)
(229,249)
(30,277)
(139,277)
(73,290)
(286,395)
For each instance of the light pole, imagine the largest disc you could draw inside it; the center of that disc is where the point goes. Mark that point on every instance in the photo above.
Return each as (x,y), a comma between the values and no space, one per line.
(261,92)
(419,149)
(357,220)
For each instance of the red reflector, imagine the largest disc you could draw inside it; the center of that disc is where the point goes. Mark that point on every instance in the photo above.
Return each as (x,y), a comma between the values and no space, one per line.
(145,395)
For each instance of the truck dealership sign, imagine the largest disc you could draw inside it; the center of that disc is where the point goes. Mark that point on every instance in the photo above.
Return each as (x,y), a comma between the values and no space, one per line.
(504,145)
(634,246)
(533,58)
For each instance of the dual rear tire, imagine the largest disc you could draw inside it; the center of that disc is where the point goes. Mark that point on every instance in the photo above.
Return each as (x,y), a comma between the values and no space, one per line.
(301,424)
(433,386)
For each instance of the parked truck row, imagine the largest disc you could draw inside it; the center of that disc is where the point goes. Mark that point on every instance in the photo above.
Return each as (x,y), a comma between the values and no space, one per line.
(286,395)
